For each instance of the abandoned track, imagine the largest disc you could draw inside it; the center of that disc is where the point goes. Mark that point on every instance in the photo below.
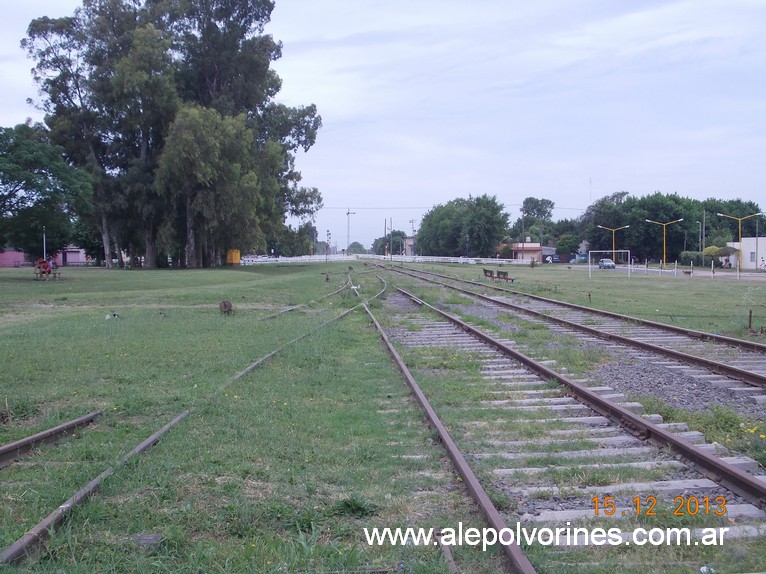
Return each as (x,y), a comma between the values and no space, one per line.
(557,451)
(13,450)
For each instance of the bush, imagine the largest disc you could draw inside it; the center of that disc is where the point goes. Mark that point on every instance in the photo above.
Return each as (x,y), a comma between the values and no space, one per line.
(695,258)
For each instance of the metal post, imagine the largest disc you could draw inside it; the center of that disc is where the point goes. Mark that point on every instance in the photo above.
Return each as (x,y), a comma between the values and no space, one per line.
(45,253)
(664,243)
(349,213)
(739,220)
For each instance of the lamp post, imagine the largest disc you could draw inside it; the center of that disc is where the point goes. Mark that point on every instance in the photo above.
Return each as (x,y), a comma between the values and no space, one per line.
(739,221)
(664,234)
(613,232)
(45,254)
(466,245)
(699,239)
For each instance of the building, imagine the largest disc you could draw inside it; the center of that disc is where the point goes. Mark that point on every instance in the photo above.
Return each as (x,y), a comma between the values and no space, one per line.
(70,255)
(409,246)
(753,251)
(527,251)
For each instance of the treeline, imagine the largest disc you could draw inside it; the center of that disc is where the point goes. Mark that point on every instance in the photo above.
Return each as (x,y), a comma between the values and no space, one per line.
(173,146)
(478,227)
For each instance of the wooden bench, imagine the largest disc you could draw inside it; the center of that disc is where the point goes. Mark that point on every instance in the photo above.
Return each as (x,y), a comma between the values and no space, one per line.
(504,275)
(489,273)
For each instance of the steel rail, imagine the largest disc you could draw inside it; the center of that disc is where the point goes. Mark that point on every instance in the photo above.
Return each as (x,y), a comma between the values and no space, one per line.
(268,356)
(31,542)
(519,561)
(727,370)
(11,451)
(740,343)
(717,470)
(294,307)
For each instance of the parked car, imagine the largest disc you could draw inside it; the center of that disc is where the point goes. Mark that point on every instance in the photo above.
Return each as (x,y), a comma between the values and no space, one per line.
(605,264)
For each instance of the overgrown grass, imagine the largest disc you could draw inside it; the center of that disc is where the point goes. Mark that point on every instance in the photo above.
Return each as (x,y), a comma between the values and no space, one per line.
(277,472)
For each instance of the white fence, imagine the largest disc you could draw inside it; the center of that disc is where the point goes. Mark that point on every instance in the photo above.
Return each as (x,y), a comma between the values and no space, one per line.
(253,260)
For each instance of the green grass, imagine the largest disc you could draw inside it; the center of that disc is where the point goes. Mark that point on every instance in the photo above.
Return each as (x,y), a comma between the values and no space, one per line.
(279,471)
(276,472)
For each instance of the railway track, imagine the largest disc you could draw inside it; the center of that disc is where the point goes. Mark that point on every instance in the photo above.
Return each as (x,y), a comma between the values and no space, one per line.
(574,456)
(32,543)
(526,439)
(12,451)
(735,366)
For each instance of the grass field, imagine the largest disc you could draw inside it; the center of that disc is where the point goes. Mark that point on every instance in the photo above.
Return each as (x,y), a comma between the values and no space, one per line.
(276,472)
(279,471)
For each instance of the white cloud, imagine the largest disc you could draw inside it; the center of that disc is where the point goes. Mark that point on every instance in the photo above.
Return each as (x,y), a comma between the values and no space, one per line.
(426,101)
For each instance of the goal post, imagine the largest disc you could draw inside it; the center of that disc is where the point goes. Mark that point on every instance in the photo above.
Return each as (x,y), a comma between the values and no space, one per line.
(596,255)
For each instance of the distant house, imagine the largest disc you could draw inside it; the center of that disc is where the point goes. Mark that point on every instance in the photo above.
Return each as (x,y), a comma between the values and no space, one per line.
(753,250)
(526,251)
(13,258)
(70,255)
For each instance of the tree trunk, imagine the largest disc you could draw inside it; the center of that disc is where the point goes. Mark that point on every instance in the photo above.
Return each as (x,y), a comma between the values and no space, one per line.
(120,258)
(150,247)
(104,228)
(191,250)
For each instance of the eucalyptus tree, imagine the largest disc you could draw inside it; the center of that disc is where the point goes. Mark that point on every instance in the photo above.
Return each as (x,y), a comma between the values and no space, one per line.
(113,77)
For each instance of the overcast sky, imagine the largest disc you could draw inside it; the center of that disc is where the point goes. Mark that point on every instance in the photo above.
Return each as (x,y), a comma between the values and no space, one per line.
(424,101)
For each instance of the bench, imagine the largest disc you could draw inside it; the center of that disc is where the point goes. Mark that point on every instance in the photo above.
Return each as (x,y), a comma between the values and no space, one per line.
(489,273)
(54,274)
(504,275)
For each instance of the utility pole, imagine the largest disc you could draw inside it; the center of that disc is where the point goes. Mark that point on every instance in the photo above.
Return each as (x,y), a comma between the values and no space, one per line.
(349,213)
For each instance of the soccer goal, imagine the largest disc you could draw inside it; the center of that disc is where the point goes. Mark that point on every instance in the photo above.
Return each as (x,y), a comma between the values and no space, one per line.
(614,255)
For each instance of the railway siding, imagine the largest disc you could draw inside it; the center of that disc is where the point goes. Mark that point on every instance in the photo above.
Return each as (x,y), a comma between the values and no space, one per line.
(551,456)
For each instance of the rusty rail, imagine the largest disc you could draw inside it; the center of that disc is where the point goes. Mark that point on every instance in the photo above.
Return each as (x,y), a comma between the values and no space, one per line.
(11,451)
(740,343)
(726,370)
(31,542)
(519,561)
(717,470)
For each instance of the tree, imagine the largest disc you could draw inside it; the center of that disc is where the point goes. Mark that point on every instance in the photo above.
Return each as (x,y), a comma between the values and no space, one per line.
(113,77)
(356,248)
(391,243)
(539,209)
(38,188)
(32,169)
(568,243)
(472,227)
(206,170)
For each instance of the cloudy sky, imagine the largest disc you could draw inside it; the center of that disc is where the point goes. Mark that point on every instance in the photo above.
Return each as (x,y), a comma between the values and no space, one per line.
(424,101)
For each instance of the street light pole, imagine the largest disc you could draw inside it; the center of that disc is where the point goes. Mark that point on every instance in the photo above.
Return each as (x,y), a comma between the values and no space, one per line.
(664,234)
(613,232)
(739,221)
(699,239)
(45,254)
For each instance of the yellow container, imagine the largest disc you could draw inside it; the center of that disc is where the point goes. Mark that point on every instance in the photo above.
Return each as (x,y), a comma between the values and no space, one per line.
(232,257)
